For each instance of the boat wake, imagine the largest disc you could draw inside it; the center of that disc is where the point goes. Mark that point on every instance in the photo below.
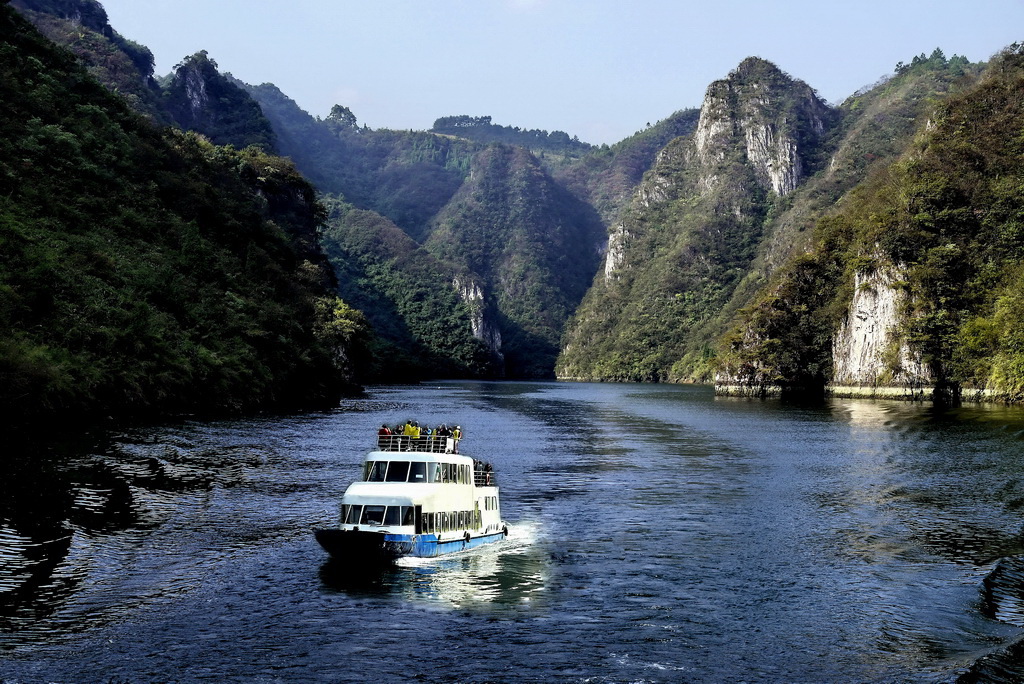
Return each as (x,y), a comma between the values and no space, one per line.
(1003,600)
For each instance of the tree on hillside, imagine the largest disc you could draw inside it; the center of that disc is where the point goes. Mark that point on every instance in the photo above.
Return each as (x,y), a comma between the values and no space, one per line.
(341,119)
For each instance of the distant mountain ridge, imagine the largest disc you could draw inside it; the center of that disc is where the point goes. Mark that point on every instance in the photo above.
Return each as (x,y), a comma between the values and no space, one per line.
(481,129)
(492,218)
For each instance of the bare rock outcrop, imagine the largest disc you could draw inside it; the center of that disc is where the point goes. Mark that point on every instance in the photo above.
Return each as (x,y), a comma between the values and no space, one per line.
(870,355)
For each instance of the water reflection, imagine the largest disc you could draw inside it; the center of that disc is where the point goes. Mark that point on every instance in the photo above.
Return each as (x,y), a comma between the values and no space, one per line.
(505,575)
(72,513)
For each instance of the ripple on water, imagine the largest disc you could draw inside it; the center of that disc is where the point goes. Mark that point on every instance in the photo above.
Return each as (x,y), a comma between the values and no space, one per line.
(658,535)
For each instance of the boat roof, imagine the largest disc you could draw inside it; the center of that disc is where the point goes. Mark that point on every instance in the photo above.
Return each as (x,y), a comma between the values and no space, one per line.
(415,455)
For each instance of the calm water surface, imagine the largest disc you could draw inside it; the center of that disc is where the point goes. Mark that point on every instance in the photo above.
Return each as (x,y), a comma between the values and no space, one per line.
(659,534)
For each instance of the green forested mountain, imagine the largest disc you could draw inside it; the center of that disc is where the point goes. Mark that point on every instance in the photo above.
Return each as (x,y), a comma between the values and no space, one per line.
(727,205)
(488,222)
(424,326)
(532,244)
(198,98)
(147,272)
(194,97)
(946,219)
(689,236)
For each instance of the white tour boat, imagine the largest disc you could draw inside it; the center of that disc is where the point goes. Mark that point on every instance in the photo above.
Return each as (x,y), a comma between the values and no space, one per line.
(418,497)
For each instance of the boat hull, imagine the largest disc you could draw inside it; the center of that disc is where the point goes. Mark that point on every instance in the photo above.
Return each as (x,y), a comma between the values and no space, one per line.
(383,548)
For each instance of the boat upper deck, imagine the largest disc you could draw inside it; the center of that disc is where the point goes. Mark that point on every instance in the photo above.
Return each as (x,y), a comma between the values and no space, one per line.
(432,444)
(410,436)
(414,457)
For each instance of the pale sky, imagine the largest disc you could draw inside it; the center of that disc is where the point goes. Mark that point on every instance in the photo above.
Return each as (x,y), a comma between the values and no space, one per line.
(599,69)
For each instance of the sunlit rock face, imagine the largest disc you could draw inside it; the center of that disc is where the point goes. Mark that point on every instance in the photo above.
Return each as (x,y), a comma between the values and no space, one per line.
(616,252)
(869,353)
(483,329)
(766,115)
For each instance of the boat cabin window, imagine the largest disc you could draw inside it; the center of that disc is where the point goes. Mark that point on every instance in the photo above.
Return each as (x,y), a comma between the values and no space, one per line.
(417,471)
(375,471)
(398,471)
(351,514)
(450,521)
(378,515)
(372,515)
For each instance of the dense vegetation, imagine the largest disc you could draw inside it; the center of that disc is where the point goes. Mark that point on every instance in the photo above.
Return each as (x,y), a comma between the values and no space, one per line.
(423,327)
(149,271)
(687,240)
(949,215)
(483,214)
(200,99)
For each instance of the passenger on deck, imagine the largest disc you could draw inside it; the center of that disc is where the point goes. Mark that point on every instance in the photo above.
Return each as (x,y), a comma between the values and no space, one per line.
(384,438)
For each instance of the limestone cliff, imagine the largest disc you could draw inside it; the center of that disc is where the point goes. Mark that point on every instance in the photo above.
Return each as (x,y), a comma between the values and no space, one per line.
(677,252)
(870,352)
(484,329)
(770,118)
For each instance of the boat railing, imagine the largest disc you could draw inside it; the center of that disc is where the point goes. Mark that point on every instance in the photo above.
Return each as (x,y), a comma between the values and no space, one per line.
(483,478)
(432,444)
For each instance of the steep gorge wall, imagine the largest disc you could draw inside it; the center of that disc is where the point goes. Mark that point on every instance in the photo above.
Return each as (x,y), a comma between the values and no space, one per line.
(695,223)
(870,356)
(483,327)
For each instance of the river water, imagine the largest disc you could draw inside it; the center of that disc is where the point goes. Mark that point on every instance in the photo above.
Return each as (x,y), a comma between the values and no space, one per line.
(658,534)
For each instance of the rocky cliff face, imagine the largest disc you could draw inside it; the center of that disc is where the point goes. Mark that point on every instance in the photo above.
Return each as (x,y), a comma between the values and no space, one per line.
(615,252)
(196,98)
(770,118)
(695,223)
(483,327)
(201,99)
(870,355)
